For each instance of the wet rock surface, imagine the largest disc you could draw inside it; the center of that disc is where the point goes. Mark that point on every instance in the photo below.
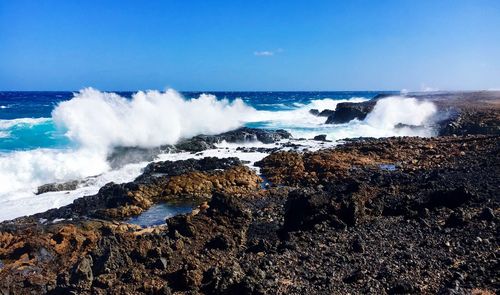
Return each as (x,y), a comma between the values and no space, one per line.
(348,111)
(321,137)
(120,156)
(203,142)
(56,187)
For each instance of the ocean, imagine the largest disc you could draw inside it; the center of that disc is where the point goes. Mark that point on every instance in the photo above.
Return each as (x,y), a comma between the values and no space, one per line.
(26,117)
(50,137)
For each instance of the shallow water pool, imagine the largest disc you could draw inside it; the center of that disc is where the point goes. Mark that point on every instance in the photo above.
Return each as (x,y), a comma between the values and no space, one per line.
(157,214)
(388,167)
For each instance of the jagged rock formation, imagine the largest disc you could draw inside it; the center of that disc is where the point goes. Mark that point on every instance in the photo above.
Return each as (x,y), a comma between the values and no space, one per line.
(348,111)
(203,142)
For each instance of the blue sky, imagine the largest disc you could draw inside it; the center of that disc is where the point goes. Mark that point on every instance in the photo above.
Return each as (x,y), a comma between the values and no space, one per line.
(250,45)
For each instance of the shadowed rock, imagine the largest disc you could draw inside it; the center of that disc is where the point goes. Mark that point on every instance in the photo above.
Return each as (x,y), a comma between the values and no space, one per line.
(121,156)
(321,137)
(244,134)
(326,113)
(305,208)
(57,187)
(314,112)
(347,111)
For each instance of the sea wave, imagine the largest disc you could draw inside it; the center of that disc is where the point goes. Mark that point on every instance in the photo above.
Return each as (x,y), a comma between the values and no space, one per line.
(391,116)
(101,120)
(391,111)
(27,122)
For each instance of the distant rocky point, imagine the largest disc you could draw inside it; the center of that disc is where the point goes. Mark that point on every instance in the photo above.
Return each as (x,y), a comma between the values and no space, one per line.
(472,112)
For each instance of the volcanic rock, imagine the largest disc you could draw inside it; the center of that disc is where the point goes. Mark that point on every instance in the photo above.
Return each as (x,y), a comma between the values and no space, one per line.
(326,113)
(314,112)
(347,111)
(321,137)
(203,142)
(56,187)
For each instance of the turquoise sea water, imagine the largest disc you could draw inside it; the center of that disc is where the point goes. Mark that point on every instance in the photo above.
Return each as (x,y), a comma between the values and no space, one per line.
(26,123)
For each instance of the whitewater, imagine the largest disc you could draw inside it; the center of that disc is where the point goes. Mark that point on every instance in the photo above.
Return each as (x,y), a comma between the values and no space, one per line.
(75,142)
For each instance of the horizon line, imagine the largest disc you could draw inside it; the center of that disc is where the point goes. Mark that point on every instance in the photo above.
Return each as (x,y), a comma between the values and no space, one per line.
(379,90)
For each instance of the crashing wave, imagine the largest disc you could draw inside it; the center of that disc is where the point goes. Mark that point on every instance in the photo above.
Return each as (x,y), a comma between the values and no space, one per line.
(97,122)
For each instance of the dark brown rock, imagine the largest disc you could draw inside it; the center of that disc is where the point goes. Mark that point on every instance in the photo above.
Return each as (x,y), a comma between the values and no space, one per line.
(347,111)
(321,137)
(82,275)
(314,112)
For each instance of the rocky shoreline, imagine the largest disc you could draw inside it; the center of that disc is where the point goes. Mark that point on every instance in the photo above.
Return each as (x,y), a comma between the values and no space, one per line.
(388,216)
(466,112)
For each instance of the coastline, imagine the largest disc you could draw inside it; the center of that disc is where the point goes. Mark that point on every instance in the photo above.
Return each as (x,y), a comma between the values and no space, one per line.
(329,221)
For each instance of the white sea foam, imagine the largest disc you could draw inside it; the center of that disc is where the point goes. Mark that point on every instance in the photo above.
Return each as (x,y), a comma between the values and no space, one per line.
(6,124)
(97,119)
(25,170)
(395,110)
(23,202)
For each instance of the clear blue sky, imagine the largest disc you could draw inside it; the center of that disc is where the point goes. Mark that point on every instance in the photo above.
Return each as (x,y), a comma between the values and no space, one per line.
(249,45)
